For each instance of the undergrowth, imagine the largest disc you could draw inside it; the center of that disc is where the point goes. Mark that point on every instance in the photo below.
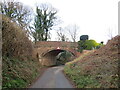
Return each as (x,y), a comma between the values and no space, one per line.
(91,78)
(19,73)
(19,69)
(98,69)
(80,81)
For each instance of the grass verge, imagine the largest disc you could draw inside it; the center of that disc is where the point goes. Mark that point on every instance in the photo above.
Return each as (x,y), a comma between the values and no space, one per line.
(80,81)
(94,70)
(19,73)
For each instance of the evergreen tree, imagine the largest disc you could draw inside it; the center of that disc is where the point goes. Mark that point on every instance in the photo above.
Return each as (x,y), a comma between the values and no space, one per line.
(44,21)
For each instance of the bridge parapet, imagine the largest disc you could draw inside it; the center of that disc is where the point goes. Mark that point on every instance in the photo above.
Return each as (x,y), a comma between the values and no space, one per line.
(55,44)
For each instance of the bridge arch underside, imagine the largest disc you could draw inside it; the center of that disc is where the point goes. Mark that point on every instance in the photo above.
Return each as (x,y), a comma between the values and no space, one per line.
(49,58)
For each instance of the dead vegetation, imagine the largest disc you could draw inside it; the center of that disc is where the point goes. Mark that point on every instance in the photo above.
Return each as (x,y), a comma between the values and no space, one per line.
(19,69)
(101,66)
(15,42)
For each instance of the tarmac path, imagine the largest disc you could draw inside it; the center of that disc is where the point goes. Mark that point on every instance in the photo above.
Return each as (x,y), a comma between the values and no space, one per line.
(52,78)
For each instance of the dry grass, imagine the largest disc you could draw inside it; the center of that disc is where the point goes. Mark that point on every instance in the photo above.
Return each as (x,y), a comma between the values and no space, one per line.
(15,41)
(19,69)
(82,55)
(101,65)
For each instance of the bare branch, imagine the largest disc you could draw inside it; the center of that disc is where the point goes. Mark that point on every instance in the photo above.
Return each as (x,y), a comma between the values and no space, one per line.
(73,31)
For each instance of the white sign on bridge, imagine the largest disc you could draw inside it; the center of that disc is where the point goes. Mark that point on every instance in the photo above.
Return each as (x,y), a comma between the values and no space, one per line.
(58,47)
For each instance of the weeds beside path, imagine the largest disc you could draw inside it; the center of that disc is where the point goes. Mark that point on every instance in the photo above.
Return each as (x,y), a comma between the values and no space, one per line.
(19,73)
(98,69)
(73,72)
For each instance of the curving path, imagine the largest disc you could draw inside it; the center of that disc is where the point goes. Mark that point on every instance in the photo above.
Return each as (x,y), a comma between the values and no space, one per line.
(52,78)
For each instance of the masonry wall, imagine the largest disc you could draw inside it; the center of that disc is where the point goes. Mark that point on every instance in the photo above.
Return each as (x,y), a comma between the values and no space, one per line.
(55,44)
(43,47)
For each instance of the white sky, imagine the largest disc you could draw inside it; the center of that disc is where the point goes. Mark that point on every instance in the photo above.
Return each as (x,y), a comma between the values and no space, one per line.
(94,17)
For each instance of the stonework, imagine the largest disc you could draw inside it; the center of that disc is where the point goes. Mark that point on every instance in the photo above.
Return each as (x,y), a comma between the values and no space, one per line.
(46,51)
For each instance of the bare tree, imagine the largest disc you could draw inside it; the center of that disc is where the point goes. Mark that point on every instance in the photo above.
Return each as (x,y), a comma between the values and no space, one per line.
(111,33)
(61,35)
(17,12)
(73,31)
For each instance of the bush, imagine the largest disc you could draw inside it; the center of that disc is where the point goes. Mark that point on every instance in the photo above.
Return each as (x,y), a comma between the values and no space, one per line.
(19,73)
(87,45)
(91,44)
(81,46)
(99,45)
(15,41)
(18,67)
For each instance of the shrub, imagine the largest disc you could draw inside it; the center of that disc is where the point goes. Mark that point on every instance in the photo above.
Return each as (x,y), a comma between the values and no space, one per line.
(19,68)
(91,44)
(81,46)
(19,73)
(15,41)
(99,45)
(87,45)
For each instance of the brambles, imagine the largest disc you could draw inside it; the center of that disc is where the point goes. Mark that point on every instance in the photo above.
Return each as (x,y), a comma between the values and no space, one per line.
(18,67)
(98,69)
(15,41)
(19,73)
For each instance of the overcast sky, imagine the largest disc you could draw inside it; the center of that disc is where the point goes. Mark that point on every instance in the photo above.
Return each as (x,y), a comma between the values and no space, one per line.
(94,17)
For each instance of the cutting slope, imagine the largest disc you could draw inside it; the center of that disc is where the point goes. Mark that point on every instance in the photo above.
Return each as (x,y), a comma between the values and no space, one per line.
(97,69)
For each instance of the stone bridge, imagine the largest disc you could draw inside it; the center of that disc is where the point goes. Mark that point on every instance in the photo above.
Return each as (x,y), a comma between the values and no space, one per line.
(46,51)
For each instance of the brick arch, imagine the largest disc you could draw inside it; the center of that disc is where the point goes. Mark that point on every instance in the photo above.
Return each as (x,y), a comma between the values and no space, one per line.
(43,47)
(47,51)
(49,57)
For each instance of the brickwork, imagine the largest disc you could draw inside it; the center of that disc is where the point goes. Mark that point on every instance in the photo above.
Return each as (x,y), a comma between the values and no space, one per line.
(41,48)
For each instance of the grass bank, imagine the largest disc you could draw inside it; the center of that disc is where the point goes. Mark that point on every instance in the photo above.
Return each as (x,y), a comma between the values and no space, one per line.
(98,69)
(19,73)
(19,68)
(80,80)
